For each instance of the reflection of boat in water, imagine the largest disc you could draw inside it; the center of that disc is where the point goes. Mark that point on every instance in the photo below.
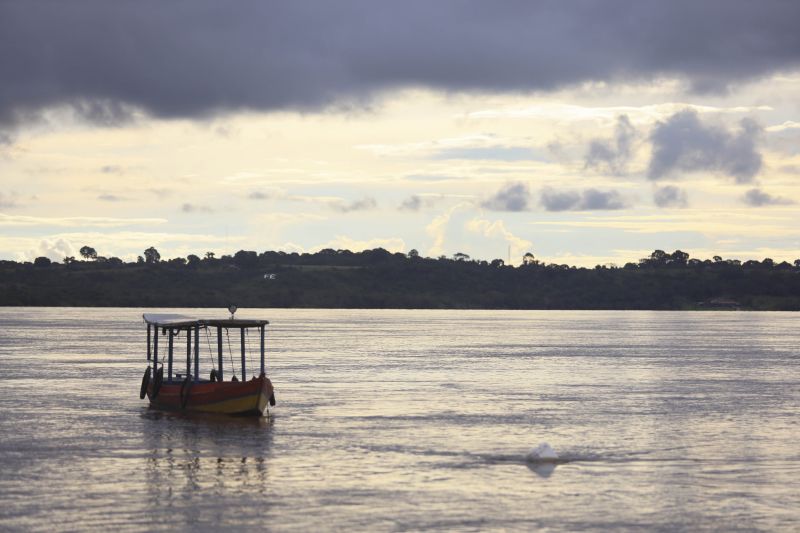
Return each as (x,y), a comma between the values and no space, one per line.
(179,391)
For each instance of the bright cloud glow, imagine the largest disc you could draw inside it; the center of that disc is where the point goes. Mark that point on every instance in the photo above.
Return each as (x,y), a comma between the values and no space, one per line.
(416,170)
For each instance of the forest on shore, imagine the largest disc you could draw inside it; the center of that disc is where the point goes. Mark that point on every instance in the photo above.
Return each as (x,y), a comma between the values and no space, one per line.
(381,279)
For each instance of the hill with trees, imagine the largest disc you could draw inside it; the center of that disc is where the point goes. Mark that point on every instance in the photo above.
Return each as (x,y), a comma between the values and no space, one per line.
(381,279)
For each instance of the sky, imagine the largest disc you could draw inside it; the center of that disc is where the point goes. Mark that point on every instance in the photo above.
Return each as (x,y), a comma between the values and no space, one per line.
(584,132)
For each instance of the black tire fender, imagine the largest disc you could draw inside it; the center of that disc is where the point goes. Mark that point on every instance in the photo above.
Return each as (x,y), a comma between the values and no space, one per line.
(145,383)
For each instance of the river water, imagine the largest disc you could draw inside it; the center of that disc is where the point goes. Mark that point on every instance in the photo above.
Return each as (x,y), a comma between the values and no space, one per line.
(413,420)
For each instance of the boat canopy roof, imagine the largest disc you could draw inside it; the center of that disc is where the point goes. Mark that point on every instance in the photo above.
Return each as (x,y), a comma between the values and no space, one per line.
(165,320)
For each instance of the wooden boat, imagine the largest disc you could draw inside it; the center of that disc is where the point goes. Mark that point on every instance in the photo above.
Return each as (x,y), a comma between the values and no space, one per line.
(188,391)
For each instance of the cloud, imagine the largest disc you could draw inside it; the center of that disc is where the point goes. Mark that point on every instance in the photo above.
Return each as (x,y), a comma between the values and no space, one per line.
(588,200)
(717,223)
(495,229)
(357,205)
(225,131)
(110,198)
(193,208)
(53,249)
(128,244)
(100,222)
(111,169)
(104,111)
(243,176)
(670,196)
(553,200)
(574,113)
(496,153)
(511,197)
(415,202)
(437,229)
(613,158)
(685,144)
(758,198)
(601,200)
(258,195)
(161,191)
(463,146)
(786,125)
(8,201)
(193,59)
(412,203)
(790,169)
(430,177)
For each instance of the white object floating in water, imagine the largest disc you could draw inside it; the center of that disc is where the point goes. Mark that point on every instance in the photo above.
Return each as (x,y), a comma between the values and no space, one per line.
(542,453)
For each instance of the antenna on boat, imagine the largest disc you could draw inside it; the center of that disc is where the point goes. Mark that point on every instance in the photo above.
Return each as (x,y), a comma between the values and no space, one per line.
(232,308)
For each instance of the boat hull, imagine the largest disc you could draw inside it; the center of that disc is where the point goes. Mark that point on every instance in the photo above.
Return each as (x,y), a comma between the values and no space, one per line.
(241,398)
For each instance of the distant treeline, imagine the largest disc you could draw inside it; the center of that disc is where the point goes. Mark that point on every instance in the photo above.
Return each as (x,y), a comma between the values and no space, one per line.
(381,279)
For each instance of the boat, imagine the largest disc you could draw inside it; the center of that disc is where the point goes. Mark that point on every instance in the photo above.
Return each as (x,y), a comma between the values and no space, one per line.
(172,388)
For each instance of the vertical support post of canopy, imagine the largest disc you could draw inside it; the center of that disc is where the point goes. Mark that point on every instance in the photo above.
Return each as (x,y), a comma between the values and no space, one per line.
(262,348)
(169,354)
(244,370)
(197,353)
(219,353)
(155,350)
(149,352)
(188,352)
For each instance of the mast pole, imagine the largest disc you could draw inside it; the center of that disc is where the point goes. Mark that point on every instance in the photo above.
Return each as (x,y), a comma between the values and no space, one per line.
(189,352)
(169,354)
(244,370)
(262,348)
(197,354)
(155,351)
(219,352)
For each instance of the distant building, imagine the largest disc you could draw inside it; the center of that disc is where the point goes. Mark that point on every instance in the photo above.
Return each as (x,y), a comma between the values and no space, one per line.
(720,303)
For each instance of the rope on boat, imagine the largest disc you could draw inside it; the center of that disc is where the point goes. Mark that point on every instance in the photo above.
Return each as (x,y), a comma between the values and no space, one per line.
(210,353)
(230,352)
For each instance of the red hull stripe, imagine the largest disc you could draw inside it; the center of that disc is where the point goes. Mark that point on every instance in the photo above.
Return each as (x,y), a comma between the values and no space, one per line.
(207,393)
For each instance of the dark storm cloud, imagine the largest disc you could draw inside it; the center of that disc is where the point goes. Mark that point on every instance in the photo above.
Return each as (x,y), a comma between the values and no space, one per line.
(601,200)
(357,205)
(511,197)
(553,200)
(193,58)
(758,198)
(613,156)
(588,200)
(685,144)
(104,111)
(670,196)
